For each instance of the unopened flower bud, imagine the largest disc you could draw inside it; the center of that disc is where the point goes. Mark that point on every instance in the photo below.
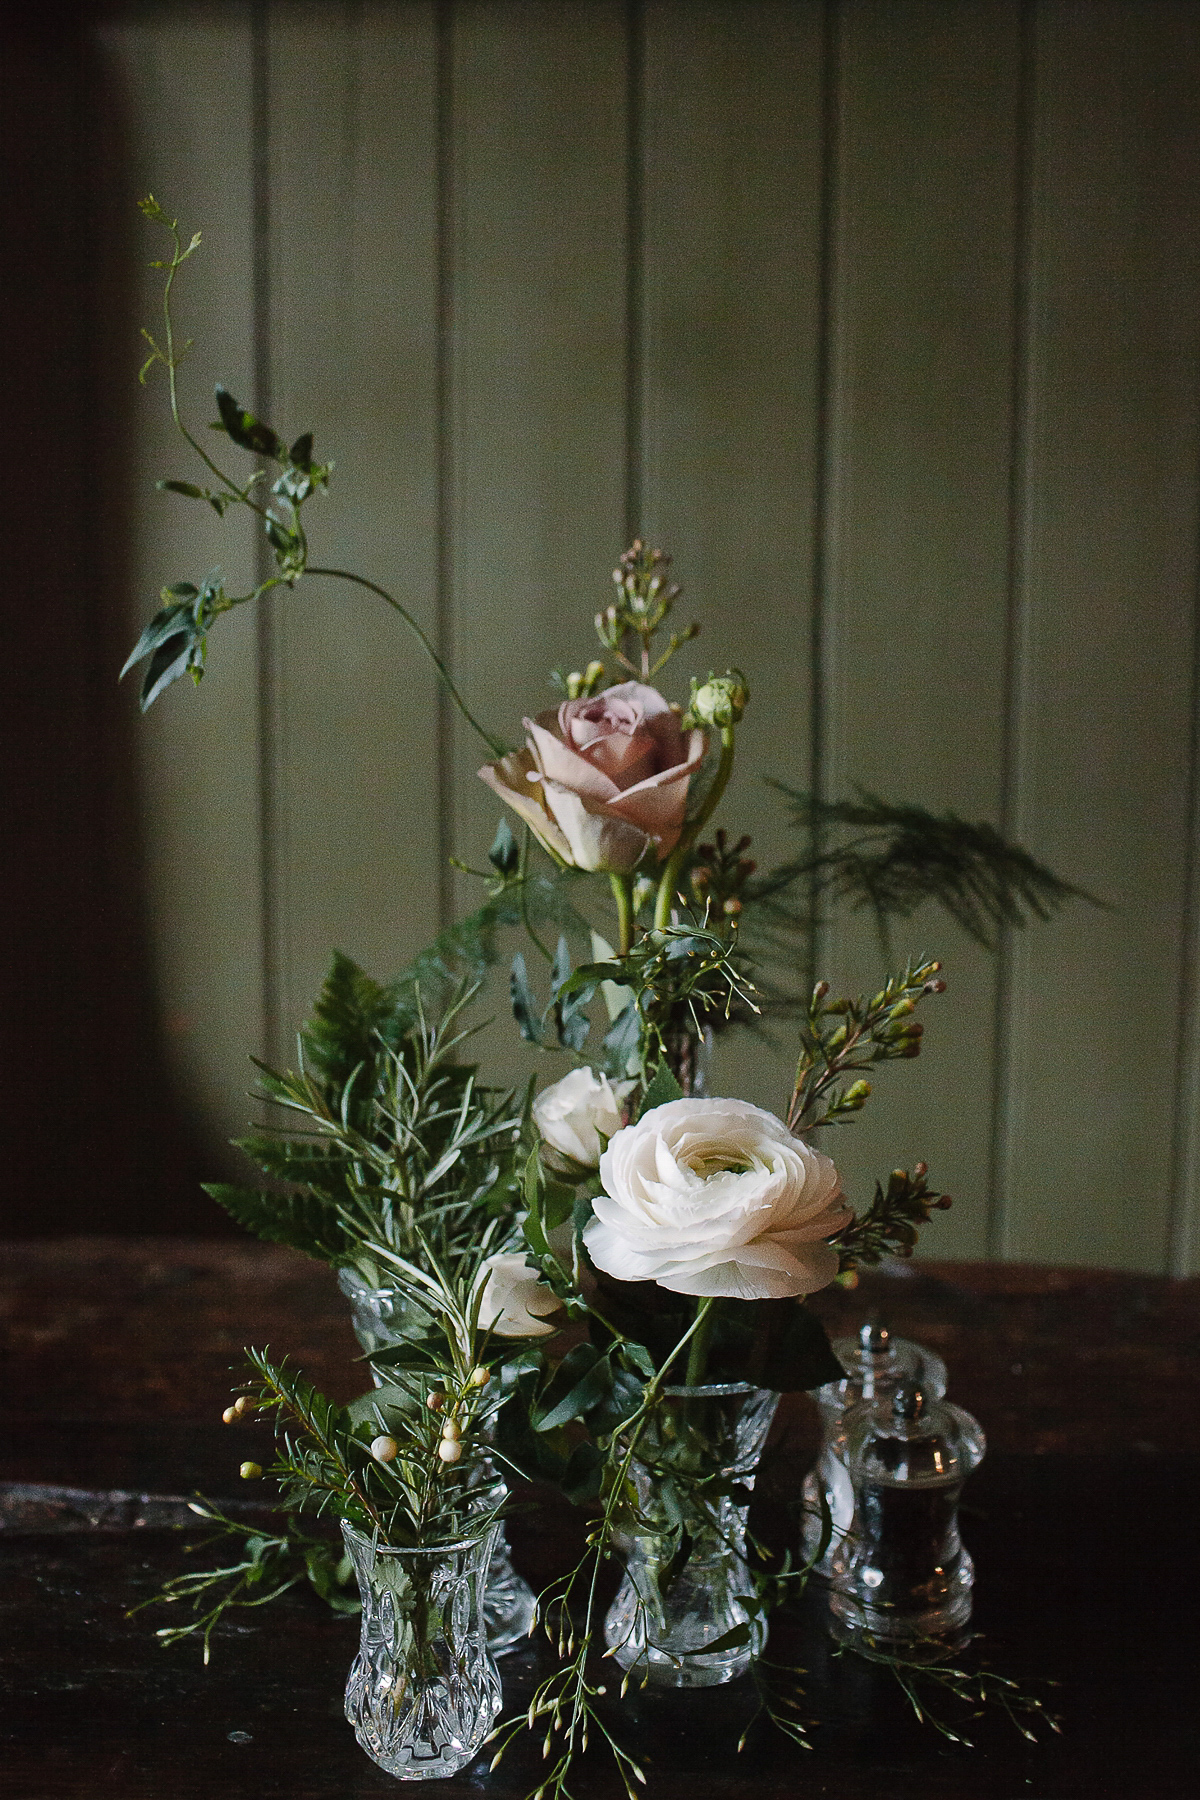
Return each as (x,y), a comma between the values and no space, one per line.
(819,992)
(921,1171)
(943,1203)
(384,1449)
(479,1376)
(732,907)
(435,1402)
(243,1404)
(856,1095)
(452,1431)
(935,987)
(229,1415)
(250,1471)
(720,701)
(848,1279)
(449,1450)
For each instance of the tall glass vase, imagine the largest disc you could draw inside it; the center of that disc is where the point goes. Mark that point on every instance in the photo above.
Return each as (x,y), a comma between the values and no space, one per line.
(679,1618)
(423,1691)
(380,1316)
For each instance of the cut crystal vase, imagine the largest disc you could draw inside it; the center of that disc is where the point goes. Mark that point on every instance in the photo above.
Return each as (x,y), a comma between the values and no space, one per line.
(423,1691)
(379,1316)
(680,1619)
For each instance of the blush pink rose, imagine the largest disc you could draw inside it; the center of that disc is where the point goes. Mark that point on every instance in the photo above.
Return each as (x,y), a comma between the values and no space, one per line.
(603,781)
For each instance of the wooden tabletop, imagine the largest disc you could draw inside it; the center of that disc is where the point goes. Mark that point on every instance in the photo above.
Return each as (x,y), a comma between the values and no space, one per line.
(121,1354)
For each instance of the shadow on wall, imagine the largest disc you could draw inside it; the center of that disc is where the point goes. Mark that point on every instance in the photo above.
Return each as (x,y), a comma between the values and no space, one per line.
(96,1141)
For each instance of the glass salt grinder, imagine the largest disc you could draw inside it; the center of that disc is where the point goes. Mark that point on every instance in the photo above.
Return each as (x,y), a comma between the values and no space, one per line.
(875,1362)
(902,1579)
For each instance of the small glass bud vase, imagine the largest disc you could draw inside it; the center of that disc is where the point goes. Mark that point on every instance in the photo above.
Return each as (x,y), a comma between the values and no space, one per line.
(380,1317)
(875,1363)
(686,1576)
(423,1691)
(902,1579)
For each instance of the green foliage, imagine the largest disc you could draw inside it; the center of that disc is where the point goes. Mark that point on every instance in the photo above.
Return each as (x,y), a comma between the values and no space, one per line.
(257,1569)
(890,1224)
(392,1144)
(843,1037)
(176,639)
(896,857)
(324,1461)
(306,1220)
(644,599)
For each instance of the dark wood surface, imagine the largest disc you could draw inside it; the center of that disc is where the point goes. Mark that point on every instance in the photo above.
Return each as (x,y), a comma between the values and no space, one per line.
(1081,1520)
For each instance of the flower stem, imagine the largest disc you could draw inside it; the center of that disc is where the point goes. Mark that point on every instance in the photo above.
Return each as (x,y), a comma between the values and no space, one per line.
(622,887)
(698,1353)
(670,877)
(493,744)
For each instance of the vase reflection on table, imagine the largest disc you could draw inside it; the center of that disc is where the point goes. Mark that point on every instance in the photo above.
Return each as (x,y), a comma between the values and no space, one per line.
(380,1316)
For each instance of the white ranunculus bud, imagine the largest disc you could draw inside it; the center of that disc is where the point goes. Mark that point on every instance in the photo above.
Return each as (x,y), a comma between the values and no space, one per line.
(577,1112)
(516,1302)
(716,1197)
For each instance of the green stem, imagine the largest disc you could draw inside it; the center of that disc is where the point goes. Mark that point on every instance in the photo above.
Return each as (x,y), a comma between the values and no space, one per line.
(670,878)
(698,1354)
(525,919)
(622,887)
(493,744)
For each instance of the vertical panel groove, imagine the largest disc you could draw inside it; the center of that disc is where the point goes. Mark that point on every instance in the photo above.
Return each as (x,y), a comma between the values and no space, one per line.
(1182,1223)
(635,275)
(826,325)
(267,649)
(444,402)
(1016,621)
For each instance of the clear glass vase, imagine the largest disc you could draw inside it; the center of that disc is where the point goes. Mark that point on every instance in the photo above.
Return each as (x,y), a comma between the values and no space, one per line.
(423,1691)
(679,1618)
(380,1316)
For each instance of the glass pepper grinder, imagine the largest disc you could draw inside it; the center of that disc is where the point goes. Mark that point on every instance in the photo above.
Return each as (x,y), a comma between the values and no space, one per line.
(875,1363)
(902,1579)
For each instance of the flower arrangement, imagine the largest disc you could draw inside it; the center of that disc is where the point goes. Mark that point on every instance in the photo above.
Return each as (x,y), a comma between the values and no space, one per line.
(599,1284)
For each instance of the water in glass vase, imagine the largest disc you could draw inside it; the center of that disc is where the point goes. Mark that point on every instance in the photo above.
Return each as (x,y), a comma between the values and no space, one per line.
(679,1619)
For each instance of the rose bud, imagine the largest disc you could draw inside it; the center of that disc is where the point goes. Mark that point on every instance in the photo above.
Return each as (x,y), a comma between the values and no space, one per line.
(720,701)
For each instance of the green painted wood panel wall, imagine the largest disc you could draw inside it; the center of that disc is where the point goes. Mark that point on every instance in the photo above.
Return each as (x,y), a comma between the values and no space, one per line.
(882,316)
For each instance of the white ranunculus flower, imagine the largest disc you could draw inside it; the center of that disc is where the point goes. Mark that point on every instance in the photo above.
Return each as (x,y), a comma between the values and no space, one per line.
(516,1301)
(577,1111)
(716,1197)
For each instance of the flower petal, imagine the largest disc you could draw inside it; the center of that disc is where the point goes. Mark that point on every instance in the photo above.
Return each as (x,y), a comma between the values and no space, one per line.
(509,779)
(596,840)
(558,762)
